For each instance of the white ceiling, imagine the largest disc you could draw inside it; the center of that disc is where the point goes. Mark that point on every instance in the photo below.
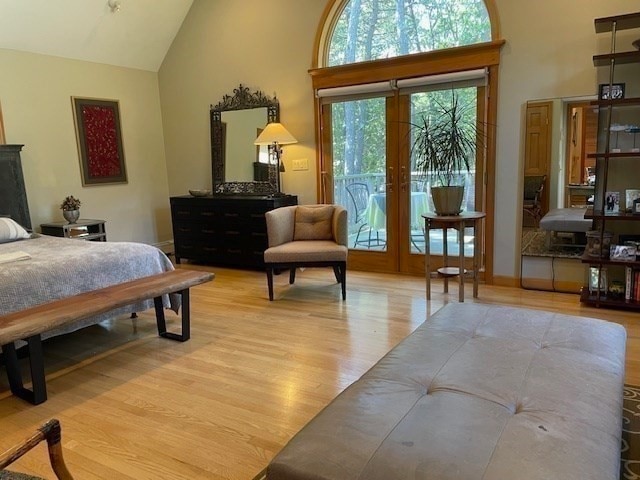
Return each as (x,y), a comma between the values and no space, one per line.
(138,35)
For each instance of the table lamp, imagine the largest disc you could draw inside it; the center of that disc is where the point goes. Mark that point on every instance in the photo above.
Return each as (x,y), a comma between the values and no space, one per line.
(274,135)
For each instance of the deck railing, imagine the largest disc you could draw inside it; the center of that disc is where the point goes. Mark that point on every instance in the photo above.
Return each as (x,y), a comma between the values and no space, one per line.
(376,184)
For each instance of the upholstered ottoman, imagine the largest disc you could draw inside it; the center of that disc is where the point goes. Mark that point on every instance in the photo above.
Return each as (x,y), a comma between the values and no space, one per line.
(566,222)
(476,392)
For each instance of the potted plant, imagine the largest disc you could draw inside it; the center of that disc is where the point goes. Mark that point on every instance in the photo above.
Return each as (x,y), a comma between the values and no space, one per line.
(71,209)
(443,147)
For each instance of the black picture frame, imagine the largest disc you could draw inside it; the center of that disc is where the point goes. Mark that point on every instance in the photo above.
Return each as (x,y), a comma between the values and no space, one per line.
(617,89)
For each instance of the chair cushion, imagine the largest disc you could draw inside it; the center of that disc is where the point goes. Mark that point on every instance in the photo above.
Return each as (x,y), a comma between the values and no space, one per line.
(313,223)
(306,251)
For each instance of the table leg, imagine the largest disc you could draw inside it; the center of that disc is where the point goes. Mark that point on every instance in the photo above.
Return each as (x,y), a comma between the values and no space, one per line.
(445,258)
(476,258)
(461,260)
(427,258)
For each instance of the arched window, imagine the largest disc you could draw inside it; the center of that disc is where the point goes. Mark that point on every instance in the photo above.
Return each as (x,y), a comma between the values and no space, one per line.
(377,29)
(378,66)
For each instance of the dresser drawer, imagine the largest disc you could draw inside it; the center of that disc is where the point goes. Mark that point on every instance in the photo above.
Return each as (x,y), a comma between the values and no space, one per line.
(230,231)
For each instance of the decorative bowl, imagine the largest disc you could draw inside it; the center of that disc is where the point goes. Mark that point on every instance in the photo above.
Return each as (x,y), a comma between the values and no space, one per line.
(200,193)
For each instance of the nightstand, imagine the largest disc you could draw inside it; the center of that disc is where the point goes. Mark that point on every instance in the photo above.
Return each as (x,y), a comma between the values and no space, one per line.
(82,230)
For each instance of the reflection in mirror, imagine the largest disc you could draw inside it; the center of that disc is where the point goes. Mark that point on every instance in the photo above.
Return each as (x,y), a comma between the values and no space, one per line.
(560,138)
(236,121)
(241,129)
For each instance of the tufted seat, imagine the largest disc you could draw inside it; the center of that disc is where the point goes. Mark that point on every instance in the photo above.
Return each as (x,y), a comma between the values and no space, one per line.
(476,392)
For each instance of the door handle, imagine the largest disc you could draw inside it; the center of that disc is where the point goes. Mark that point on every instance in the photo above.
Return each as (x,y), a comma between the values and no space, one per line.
(403,178)
(389,184)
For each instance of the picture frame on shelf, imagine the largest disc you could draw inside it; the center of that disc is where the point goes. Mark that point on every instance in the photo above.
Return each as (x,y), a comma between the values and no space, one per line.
(612,203)
(598,279)
(623,253)
(631,194)
(99,137)
(615,92)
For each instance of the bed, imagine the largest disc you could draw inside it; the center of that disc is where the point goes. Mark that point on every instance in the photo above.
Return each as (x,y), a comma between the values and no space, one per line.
(53,268)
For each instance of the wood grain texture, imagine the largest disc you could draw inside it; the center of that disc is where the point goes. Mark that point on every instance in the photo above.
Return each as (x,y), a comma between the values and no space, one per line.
(220,406)
(41,318)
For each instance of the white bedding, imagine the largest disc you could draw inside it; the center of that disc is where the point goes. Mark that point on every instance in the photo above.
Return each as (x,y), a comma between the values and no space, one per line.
(61,267)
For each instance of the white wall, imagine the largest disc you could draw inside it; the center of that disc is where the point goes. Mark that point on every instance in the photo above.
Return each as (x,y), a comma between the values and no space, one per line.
(548,54)
(268,45)
(36,91)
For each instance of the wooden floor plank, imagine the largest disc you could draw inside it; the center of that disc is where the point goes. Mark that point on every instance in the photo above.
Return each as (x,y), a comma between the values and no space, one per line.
(221,405)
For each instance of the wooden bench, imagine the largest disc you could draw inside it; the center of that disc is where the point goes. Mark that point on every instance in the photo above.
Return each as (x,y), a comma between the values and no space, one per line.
(29,324)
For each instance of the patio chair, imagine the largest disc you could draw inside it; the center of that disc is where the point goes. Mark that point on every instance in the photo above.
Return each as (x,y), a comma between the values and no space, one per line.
(359,195)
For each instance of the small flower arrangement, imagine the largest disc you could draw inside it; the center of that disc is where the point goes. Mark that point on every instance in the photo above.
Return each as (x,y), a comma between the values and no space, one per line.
(70,203)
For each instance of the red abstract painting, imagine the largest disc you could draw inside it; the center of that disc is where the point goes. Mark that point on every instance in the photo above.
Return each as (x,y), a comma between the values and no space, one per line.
(99,141)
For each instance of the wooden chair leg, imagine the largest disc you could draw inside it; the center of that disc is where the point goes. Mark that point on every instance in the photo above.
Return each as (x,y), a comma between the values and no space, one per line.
(292,275)
(270,282)
(343,271)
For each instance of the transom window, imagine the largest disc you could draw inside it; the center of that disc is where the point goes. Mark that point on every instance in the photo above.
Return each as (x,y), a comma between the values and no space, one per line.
(377,29)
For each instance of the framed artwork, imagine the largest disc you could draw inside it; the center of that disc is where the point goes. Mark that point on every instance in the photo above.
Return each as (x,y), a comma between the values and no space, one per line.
(630,196)
(99,141)
(612,203)
(617,91)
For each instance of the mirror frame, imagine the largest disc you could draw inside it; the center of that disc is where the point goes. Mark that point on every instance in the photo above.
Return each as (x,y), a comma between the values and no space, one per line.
(242,99)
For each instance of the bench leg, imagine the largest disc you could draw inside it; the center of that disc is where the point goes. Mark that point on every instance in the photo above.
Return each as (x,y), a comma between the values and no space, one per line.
(186,318)
(38,392)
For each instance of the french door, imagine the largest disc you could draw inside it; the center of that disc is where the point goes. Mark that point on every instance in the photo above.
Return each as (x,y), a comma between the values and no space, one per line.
(367,167)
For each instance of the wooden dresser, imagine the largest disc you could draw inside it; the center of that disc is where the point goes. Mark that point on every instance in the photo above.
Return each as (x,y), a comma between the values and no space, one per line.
(225,230)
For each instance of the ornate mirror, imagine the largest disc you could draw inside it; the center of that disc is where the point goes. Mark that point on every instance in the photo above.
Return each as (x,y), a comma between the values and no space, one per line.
(236,122)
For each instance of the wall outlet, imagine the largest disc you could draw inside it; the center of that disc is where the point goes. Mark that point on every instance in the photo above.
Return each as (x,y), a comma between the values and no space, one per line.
(300,164)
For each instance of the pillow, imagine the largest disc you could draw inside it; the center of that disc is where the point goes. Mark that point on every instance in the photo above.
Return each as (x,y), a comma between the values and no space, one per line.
(313,223)
(10,231)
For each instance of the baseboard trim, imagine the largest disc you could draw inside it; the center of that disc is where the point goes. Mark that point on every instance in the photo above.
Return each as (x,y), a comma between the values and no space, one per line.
(503,281)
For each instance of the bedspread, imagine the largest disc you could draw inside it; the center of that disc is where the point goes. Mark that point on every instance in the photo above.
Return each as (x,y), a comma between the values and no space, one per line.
(61,267)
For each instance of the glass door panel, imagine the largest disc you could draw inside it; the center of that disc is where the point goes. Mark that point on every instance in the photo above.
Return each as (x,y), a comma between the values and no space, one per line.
(423,105)
(359,145)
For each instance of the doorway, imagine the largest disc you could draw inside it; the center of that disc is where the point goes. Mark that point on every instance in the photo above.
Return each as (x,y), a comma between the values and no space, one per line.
(368,168)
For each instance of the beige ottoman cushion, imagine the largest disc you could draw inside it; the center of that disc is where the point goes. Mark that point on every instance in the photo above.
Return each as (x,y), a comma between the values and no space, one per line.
(477,392)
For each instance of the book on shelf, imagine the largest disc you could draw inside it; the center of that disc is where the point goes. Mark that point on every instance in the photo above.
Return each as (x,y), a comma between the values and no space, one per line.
(79,231)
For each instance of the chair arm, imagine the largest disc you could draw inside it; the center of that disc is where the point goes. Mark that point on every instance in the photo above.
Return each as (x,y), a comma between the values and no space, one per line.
(280,225)
(339,225)
(50,432)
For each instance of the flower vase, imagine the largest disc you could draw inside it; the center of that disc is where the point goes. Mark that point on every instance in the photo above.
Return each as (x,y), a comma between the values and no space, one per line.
(71,216)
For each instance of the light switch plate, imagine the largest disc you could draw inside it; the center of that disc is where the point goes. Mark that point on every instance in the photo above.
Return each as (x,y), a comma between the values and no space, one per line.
(300,164)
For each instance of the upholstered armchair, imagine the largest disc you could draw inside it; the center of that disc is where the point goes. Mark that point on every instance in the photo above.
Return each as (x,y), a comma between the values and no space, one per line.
(307,236)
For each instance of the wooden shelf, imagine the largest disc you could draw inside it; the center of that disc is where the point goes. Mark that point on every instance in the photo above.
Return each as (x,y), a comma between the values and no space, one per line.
(590,213)
(606,301)
(607,261)
(616,102)
(618,58)
(623,22)
(614,155)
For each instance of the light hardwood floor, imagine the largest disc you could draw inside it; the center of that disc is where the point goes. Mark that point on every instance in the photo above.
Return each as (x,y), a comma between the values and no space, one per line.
(220,406)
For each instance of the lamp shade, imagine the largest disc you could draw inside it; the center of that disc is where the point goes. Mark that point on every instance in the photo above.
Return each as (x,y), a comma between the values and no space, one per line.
(275,132)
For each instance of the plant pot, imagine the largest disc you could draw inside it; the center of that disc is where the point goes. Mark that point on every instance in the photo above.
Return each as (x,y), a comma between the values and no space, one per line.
(71,216)
(447,200)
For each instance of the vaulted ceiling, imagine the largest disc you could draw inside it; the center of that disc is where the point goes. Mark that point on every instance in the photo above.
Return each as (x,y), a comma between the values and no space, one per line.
(127,33)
